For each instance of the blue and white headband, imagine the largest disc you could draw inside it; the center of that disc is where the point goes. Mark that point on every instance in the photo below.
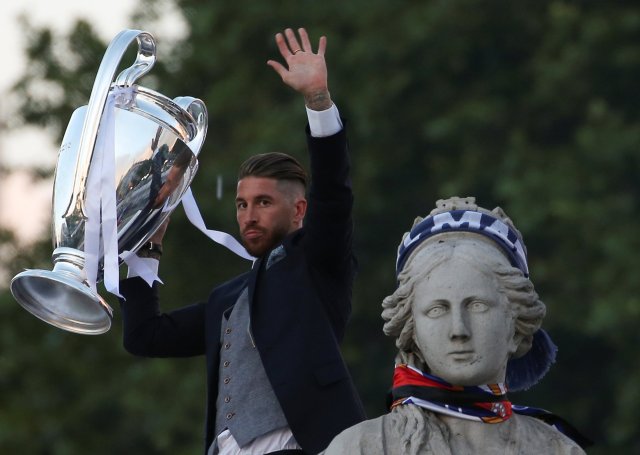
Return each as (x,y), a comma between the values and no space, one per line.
(466,221)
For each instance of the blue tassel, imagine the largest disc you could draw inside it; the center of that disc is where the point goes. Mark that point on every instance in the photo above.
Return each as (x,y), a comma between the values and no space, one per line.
(526,371)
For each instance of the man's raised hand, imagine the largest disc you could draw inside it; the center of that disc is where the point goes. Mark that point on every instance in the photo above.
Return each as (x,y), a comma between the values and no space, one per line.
(305,71)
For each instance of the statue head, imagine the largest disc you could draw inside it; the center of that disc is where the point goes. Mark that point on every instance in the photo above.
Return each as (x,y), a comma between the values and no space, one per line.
(465,309)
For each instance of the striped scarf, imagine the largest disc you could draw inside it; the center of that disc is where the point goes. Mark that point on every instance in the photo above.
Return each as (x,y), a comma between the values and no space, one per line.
(484,403)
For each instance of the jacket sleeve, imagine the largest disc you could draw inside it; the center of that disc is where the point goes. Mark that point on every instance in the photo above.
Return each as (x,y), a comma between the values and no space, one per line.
(148,332)
(329,226)
(329,223)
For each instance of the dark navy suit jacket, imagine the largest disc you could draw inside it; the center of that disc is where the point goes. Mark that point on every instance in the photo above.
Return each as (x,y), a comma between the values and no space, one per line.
(300,297)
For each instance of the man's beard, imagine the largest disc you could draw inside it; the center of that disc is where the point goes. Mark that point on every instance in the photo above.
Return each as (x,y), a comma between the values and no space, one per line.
(266,242)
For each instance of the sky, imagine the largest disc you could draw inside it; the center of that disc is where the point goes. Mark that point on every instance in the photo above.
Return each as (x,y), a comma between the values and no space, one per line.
(25,205)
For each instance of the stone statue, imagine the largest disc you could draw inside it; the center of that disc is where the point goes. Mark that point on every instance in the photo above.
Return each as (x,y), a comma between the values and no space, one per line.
(466,320)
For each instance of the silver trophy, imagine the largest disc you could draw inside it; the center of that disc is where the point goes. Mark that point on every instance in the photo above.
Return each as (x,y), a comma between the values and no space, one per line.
(155,145)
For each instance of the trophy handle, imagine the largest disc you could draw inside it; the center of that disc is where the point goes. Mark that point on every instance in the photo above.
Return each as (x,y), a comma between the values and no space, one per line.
(198,111)
(99,93)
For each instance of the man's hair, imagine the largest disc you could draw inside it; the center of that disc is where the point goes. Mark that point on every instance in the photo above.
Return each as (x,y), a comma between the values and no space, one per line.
(279,166)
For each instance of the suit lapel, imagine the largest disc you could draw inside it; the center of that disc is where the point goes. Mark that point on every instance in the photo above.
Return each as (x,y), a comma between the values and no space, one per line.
(276,255)
(253,279)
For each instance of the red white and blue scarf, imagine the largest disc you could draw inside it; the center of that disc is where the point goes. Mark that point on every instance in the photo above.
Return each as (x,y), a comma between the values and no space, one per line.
(485,403)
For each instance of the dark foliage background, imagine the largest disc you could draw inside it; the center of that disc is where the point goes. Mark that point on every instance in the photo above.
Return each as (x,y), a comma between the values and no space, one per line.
(529,105)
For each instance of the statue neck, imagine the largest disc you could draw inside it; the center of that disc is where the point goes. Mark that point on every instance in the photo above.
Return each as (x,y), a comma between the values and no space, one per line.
(469,437)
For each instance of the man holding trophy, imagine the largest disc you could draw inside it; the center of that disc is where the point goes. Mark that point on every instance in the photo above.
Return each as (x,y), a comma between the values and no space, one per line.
(276,380)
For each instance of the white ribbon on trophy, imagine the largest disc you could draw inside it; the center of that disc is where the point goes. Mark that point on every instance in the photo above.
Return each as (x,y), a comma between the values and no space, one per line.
(145,268)
(222,238)
(101,227)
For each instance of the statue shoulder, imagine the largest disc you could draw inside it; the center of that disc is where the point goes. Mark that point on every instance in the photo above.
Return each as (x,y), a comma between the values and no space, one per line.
(363,438)
(535,431)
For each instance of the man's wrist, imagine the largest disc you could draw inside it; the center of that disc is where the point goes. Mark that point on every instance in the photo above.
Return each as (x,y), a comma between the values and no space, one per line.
(319,100)
(151,250)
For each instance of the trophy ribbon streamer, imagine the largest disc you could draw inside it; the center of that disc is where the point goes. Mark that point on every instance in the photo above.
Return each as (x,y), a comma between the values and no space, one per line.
(100,202)
(145,268)
(228,241)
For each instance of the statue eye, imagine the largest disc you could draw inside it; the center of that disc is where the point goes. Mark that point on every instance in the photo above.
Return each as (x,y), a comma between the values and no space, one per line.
(436,311)
(478,306)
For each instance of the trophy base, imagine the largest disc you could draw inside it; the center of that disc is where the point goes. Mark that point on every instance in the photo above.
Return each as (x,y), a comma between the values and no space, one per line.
(63,301)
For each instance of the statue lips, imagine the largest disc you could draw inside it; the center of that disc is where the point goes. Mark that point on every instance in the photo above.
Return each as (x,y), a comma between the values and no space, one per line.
(462,355)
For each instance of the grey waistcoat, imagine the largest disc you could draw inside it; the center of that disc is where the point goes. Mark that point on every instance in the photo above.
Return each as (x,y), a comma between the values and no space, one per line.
(246,403)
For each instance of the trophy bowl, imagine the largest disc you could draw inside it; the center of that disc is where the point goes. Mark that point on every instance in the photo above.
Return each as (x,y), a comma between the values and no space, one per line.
(154,144)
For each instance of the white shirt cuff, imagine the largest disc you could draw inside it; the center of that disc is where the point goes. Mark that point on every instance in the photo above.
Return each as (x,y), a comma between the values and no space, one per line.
(324,123)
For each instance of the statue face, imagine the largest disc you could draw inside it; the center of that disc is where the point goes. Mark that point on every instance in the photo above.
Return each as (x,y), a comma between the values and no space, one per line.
(463,325)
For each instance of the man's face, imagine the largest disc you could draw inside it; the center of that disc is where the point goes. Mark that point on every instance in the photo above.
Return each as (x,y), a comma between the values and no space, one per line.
(463,325)
(267,210)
